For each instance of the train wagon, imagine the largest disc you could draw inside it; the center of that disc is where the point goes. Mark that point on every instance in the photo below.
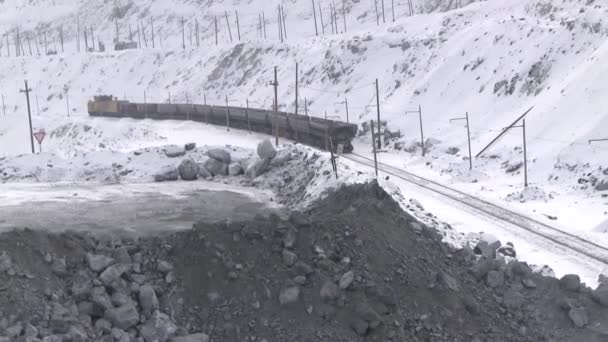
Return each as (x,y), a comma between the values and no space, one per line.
(313,131)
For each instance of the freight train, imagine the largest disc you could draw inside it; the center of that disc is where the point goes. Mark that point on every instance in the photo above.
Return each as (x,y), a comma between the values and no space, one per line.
(317,132)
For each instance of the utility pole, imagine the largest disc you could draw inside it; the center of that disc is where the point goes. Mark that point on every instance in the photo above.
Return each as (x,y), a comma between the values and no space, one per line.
(377,17)
(393,9)
(276,107)
(215,22)
(152,28)
(198,41)
(374,149)
(378,108)
(283,17)
(93,39)
(264,22)
(27,91)
(183,35)
(296,88)
(344,13)
(525,154)
(238,27)
(227,115)
(117,35)
(228,24)
(468,137)
(60,37)
(37,106)
(3,106)
(67,102)
(306,106)
(383,17)
(346,104)
(321,17)
(419,112)
(77,36)
(314,13)
(247,116)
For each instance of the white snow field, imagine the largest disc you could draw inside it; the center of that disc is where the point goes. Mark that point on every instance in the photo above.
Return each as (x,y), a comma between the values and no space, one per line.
(491,59)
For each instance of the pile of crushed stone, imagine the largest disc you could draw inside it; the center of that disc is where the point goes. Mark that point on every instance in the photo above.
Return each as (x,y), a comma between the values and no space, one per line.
(353,267)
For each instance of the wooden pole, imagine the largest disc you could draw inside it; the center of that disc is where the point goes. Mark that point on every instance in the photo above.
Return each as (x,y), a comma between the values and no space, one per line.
(86,41)
(183,35)
(227,115)
(377,16)
(335,15)
(393,9)
(198,42)
(3,106)
(346,103)
(36,43)
(29,44)
(279,23)
(130,33)
(37,106)
(314,13)
(264,22)
(228,24)
(383,17)
(27,91)
(67,102)
(215,21)
(152,34)
(93,39)
(77,37)
(247,116)
(60,37)
(469,140)
(305,106)
(378,108)
(283,17)
(421,130)
(276,107)
(344,13)
(374,149)
(117,34)
(296,88)
(331,18)
(238,26)
(46,49)
(138,38)
(321,17)
(525,155)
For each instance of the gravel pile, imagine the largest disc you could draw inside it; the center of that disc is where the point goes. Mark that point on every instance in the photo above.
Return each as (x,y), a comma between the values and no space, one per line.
(353,267)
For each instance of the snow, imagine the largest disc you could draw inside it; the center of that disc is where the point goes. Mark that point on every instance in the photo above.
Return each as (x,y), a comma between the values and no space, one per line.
(490,59)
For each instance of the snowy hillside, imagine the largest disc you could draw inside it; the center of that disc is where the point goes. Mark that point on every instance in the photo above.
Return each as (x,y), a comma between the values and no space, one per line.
(492,59)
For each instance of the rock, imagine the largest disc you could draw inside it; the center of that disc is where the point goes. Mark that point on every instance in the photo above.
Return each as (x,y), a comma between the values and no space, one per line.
(111,277)
(123,317)
(29,331)
(495,279)
(188,170)
(101,301)
(148,300)
(481,268)
(216,167)
(164,266)
(190,146)
(518,269)
(5,262)
(359,326)
(14,331)
(120,299)
(257,167)
(59,267)
(121,255)
(281,158)
(528,283)
(77,335)
(579,317)
(98,263)
(82,285)
(220,155)
(483,248)
(507,251)
(570,282)
(600,294)
(289,295)
(289,258)
(174,151)
(366,313)
(513,299)
(346,280)
(235,169)
(103,325)
(159,328)
(167,173)
(191,338)
(602,186)
(329,291)
(203,172)
(266,150)
(289,240)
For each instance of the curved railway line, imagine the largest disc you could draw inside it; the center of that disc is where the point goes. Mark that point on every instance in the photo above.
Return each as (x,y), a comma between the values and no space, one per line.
(574,243)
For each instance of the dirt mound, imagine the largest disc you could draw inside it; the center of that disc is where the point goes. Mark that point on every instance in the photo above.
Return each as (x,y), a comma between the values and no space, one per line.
(354,267)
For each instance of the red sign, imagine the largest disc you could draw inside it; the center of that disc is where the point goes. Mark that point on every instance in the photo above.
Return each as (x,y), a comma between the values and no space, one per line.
(40,136)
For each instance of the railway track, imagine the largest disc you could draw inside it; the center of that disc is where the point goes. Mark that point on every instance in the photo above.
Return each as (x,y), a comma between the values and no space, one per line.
(553,235)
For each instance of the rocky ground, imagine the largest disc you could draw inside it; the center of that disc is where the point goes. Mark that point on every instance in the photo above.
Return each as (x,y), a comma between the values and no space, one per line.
(352,267)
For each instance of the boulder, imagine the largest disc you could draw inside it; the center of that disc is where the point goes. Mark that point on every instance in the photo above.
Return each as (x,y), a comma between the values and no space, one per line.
(111,277)
(191,338)
(167,173)
(602,186)
(164,266)
(82,284)
(216,167)
(289,295)
(123,317)
(220,155)
(266,150)
(188,170)
(329,291)
(281,158)
(235,169)
(570,282)
(190,146)
(483,248)
(159,328)
(289,258)
(257,168)
(495,279)
(203,172)
(579,317)
(346,280)
(98,263)
(174,151)
(600,294)
(148,300)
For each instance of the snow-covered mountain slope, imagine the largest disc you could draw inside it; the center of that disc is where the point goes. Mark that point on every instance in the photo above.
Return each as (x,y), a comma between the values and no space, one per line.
(492,59)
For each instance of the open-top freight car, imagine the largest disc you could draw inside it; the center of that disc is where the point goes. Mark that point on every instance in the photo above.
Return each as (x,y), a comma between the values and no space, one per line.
(318,132)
